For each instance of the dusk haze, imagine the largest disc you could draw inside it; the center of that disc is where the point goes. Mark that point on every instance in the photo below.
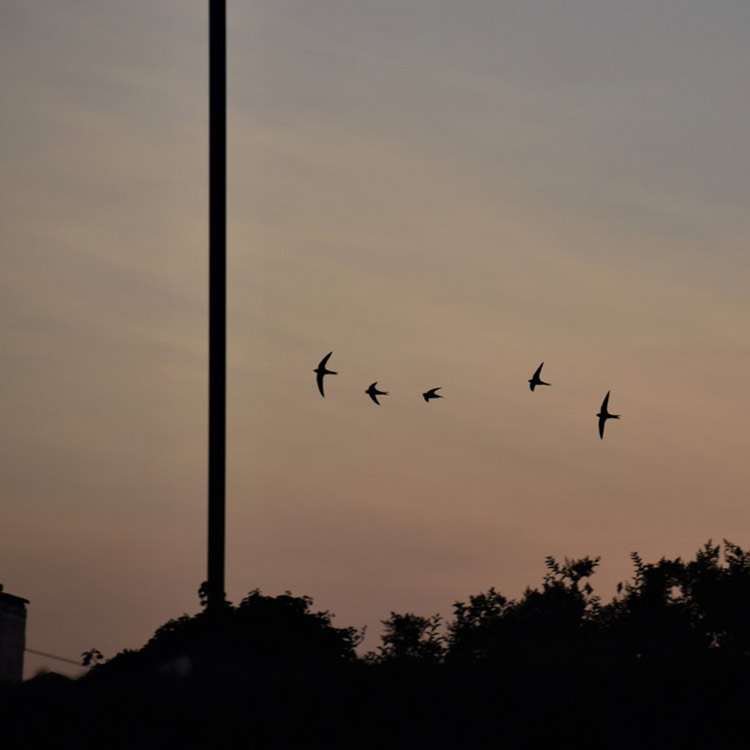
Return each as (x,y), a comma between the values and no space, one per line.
(441,194)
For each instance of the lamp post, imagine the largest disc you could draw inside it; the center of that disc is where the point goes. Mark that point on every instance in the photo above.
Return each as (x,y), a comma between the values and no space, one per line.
(217,325)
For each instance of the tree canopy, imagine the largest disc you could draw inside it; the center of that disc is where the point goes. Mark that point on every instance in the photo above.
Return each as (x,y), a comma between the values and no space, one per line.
(662,663)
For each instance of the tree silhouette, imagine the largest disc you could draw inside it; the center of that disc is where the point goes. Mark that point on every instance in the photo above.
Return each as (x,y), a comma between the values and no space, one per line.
(411,638)
(718,596)
(261,633)
(664,663)
(90,657)
(550,623)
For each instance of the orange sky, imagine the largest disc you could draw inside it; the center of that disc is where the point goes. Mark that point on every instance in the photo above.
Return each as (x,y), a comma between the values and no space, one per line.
(442,193)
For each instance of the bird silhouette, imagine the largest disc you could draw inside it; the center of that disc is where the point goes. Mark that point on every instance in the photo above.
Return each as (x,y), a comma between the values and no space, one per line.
(604,415)
(536,380)
(431,394)
(373,393)
(321,372)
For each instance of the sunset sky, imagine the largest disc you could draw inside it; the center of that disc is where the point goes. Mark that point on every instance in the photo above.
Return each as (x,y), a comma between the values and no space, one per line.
(441,192)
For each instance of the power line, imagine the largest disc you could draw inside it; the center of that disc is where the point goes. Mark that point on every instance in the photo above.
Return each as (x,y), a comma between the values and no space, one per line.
(59,658)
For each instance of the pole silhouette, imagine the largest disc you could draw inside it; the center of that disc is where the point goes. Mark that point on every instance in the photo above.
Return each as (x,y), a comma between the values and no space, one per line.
(217,295)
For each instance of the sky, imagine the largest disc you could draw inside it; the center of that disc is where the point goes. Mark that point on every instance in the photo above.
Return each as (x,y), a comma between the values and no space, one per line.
(442,193)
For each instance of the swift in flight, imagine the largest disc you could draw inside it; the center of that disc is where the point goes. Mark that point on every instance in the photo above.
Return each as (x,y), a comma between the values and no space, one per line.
(373,393)
(536,380)
(431,394)
(321,372)
(604,415)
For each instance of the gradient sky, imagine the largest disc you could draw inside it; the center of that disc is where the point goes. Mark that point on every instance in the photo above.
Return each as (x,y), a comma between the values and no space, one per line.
(443,193)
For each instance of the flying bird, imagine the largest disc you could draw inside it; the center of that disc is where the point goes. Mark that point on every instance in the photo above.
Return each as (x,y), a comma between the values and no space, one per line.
(373,393)
(536,380)
(604,415)
(321,372)
(431,394)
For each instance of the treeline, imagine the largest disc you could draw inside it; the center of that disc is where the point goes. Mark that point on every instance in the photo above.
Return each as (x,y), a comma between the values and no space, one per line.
(666,662)
(670,608)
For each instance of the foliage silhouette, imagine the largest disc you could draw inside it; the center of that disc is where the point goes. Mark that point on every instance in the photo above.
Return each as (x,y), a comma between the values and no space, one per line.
(92,656)
(663,663)
(411,638)
(550,623)
(260,633)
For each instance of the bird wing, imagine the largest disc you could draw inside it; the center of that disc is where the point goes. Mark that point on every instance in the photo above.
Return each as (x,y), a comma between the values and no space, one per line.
(605,402)
(320,371)
(538,372)
(602,420)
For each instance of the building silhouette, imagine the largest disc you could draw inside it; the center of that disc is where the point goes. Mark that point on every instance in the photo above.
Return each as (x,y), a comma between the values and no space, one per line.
(12,636)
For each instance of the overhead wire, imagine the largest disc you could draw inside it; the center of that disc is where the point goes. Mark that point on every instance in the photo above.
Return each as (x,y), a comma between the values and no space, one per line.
(59,658)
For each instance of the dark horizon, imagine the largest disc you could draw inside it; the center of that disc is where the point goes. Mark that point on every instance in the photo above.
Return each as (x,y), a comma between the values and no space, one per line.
(664,662)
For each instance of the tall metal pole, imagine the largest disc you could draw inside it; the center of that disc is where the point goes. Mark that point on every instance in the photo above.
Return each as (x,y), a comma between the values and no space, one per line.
(217,301)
